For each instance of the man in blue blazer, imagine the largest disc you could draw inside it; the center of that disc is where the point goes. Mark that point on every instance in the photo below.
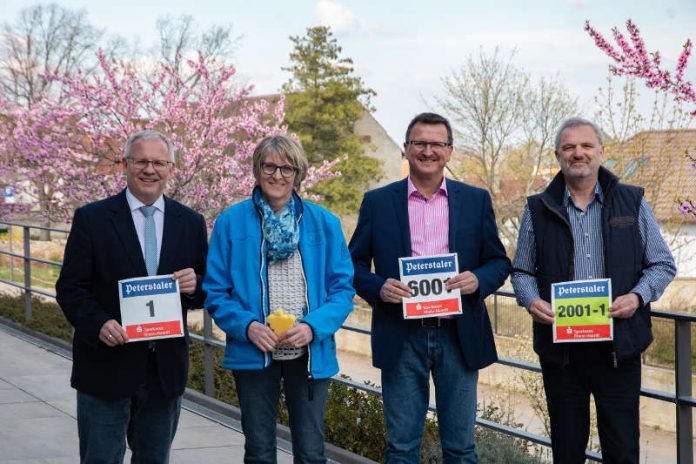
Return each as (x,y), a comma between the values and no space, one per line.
(130,391)
(427,214)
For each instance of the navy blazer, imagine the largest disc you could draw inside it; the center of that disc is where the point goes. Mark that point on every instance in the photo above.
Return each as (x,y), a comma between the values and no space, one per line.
(102,249)
(383,235)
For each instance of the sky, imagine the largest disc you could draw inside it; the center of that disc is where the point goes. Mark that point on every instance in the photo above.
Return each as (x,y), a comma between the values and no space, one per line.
(403,49)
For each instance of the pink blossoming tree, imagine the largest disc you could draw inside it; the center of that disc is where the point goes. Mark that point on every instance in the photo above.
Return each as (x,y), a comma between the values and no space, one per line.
(632,59)
(67,154)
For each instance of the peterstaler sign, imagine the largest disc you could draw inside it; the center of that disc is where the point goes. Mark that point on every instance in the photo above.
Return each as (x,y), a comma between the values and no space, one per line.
(582,311)
(151,308)
(426,276)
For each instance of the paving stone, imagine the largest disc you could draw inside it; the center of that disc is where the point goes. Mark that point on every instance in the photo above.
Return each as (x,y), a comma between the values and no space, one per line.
(213,436)
(15,395)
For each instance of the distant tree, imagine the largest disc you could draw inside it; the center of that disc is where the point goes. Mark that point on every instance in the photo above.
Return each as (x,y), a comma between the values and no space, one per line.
(505,124)
(180,39)
(324,99)
(45,40)
(45,44)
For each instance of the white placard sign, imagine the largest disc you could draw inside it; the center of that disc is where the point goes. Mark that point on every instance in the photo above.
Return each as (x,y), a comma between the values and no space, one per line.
(150,308)
(427,276)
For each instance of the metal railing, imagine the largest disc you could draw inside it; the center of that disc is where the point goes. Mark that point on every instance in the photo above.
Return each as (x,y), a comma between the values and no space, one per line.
(682,398)
(27,259)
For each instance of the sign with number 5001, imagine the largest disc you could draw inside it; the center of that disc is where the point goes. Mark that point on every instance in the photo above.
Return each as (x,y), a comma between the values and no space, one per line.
(426,276)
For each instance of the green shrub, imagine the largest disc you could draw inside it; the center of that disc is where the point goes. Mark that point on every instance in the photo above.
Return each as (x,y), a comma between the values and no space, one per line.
(495,447)
(223,381)
(47,317)
(354,421)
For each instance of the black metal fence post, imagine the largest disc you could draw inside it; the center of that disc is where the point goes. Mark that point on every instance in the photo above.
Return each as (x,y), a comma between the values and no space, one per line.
(11,257)
(495,314)
(208,360)
(682,350)
(27,273)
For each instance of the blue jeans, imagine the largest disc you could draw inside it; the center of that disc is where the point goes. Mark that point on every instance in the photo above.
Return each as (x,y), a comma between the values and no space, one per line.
(406,390)
(259,391)
(616,392)
(148,420)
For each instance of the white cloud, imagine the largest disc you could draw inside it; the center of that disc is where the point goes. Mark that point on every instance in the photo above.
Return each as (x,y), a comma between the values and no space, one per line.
(578,2)
(338,17)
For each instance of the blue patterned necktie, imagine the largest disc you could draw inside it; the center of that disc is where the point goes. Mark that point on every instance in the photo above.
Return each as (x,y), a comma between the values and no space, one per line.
(150,239)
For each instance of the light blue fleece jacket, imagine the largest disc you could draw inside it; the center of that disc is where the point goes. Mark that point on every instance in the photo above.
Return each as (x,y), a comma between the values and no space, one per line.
(237,287)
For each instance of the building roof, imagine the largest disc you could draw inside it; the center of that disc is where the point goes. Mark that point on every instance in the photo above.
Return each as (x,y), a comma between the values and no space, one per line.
(657,161)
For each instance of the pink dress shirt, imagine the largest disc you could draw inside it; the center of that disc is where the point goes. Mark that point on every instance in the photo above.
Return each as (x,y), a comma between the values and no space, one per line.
(428,221)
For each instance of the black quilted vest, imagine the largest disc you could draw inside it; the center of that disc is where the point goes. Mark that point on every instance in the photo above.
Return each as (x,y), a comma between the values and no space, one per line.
(623,259)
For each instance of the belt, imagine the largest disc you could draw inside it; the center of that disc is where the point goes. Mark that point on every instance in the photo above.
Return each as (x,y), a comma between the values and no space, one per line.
(433,322)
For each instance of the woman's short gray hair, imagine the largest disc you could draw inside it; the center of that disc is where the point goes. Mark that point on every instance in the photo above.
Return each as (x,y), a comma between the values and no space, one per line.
(287,149)
(149,134)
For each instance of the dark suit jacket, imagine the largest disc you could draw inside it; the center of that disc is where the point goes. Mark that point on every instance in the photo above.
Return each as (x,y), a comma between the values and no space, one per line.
(102,249)
(383,235)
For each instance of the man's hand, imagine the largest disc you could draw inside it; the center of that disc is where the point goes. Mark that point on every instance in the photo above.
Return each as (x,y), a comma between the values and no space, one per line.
(624,306)
(112,334)
(466,282)
(541,312)
(297,336)
(187,280)
(262,336)
(393,291)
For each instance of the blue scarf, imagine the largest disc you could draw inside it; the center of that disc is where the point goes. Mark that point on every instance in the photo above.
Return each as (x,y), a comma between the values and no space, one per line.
(280,230)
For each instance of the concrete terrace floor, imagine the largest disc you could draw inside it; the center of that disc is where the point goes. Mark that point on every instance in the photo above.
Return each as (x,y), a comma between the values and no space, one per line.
(37,413)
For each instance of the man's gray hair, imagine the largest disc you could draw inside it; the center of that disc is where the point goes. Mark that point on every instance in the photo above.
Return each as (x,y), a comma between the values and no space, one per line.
(149,134)
(575,122)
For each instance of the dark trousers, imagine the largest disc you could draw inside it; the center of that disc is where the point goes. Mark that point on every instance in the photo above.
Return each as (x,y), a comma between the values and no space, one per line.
(259,391)
(147,420)
(616,391)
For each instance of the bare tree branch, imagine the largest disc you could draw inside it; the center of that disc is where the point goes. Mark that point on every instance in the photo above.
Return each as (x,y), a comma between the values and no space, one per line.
(505,124)
(45,40)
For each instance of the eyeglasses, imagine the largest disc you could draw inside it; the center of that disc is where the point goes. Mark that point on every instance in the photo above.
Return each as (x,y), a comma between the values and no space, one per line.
(285,170)
(422,145)
(140,163)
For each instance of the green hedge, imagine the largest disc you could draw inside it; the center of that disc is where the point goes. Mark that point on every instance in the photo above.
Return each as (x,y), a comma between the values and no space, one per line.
(47,318)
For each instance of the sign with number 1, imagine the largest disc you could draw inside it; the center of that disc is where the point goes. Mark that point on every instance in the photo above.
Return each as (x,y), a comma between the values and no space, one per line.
(151,308)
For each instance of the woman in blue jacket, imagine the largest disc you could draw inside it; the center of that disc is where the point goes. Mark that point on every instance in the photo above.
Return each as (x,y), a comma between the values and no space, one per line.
(276,251)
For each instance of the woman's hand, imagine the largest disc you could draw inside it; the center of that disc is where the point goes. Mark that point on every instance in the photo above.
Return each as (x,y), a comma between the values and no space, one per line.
(298,336)
(263,337)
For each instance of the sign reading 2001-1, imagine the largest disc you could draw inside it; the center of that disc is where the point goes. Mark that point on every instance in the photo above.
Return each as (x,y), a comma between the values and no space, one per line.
(426,276)
(582,311)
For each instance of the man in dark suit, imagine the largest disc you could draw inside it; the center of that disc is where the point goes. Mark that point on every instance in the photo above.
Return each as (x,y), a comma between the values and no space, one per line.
(130,391)
(427,214)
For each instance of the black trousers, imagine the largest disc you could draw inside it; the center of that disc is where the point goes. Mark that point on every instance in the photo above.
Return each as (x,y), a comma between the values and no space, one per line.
(616,391)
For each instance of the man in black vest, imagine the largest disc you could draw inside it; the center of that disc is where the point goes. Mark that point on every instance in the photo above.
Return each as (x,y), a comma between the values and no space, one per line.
(587,225)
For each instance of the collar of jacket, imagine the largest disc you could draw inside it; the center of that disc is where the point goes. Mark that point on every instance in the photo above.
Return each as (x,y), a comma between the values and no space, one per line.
(299,206)
(553,194)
